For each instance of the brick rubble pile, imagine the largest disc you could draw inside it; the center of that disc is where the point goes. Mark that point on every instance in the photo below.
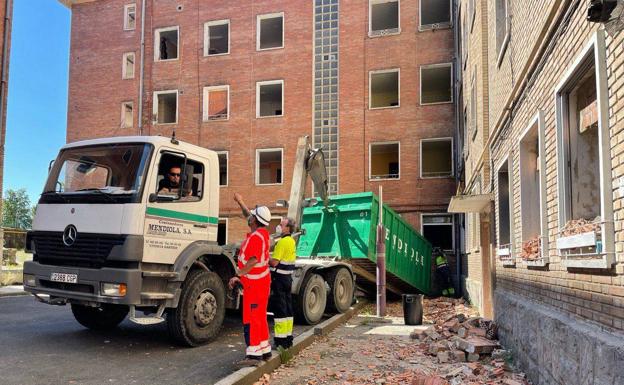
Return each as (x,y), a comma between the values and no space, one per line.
(580,226)
(531,250)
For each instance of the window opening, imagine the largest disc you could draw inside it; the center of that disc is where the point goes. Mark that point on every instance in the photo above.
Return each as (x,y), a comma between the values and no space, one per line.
(384,161)
(217,37)
(269,166)
(436,158)
(384,89)
(436,84)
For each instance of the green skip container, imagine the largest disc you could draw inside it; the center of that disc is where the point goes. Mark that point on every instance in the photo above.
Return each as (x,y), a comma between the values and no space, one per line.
(347,229)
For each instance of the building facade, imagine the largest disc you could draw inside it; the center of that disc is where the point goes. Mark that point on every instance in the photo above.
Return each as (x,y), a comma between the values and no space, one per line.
(6,19)
(371,82)
(542,184)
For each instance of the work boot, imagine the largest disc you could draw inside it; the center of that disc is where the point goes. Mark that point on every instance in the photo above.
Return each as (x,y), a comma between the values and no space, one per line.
(249,361)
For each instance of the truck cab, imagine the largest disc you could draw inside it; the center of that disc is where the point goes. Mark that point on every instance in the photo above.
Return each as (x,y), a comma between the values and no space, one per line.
(129,224)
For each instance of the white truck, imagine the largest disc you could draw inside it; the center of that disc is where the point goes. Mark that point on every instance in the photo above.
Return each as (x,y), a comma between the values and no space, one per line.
(109,242)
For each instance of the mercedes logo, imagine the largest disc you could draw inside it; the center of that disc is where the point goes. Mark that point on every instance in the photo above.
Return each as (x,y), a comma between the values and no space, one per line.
(69,235)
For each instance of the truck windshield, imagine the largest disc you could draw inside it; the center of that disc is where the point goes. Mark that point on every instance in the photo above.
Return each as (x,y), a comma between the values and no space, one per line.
(111,173)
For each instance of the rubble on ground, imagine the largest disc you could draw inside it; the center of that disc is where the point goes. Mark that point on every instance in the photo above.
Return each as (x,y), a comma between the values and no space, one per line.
(580,226)
(531,249)
(433,354)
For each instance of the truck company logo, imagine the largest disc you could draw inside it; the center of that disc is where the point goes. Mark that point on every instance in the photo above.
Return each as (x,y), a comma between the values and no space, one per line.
(69,235)
(402,247)
(158,229)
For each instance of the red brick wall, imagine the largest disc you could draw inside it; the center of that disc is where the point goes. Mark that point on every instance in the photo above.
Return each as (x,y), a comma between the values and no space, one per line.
(97,90)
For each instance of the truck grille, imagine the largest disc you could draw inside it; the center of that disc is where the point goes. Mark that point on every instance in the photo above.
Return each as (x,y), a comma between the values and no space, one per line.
(89,250)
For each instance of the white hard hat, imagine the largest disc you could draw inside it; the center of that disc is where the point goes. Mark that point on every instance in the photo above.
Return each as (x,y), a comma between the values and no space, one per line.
(263,214)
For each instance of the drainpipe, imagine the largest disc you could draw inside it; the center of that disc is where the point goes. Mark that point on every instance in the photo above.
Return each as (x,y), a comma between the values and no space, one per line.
(142,68)
(459,152)
(8,13)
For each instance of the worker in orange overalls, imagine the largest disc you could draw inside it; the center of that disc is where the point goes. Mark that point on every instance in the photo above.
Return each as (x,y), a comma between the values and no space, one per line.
(253,274)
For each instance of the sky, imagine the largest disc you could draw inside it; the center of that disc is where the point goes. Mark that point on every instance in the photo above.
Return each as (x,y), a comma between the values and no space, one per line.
(37,104)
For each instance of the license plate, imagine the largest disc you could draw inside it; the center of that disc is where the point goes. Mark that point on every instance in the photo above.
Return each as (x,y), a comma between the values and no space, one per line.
(63,277)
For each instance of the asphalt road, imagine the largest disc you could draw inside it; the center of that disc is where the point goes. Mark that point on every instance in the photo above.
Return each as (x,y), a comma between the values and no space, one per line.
(43,344)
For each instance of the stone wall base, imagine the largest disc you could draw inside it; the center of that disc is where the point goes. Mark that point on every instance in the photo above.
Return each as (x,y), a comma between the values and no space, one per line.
(553,348)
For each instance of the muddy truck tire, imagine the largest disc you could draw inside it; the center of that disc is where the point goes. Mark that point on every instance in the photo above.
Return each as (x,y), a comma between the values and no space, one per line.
(309,304)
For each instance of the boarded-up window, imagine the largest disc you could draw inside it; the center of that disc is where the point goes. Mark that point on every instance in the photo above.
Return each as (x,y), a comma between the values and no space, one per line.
(129,17)
(127,71)
(127,115)
(216,103)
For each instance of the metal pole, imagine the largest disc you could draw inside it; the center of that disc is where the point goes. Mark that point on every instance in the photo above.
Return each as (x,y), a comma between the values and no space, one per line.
(381,261)
(142,69)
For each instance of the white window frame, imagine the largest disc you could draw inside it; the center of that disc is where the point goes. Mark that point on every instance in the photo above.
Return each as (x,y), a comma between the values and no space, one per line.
(259,18)
(438,65)
(428,27)
(157,32)
(207,26)
(123,114)
(370,161)
(507,160)
(227,228)
(448,138)
(422,224)
(503,48)
(474,108)
(124,73)
(370,84)
(155,106)
(206,102)
(595,48)
(537,121)
(127,16)
(266,83)
(227,167)
(382,32)
(257,176)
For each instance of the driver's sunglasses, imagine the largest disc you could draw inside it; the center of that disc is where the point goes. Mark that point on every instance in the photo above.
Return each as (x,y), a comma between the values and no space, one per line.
(174,174)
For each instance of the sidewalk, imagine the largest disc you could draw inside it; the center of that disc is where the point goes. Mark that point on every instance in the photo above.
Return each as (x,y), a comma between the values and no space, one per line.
(370,350)
(13,290)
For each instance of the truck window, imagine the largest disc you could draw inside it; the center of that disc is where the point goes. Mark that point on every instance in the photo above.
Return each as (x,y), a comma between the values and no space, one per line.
(183,178)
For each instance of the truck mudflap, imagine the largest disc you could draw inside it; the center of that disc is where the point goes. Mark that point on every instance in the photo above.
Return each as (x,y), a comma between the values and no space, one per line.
(88,283)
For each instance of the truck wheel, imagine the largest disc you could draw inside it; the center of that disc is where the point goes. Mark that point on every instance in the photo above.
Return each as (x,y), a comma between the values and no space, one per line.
(199,315)
(311,300)
(105,317)
(340,290)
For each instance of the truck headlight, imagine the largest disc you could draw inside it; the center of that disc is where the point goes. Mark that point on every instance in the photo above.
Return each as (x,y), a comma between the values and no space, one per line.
(29,280)
(114,289)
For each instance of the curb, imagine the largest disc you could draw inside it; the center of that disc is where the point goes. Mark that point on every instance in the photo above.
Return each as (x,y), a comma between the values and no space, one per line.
(247,376)
(12,292)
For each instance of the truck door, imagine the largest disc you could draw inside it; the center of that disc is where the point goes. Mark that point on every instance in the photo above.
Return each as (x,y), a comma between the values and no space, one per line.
(177,210)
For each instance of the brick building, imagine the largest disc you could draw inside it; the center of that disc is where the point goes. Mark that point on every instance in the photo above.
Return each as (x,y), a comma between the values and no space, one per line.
(369,81)
(543,172)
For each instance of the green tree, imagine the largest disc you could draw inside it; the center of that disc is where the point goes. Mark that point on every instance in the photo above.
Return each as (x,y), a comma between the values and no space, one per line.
(17,211)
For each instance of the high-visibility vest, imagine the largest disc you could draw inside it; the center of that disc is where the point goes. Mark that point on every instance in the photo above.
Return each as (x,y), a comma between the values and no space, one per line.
(440,261)
(255,245)
(285,253)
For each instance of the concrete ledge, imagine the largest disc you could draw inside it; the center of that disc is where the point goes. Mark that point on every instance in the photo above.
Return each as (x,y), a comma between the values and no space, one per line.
(247,376)
(11,291)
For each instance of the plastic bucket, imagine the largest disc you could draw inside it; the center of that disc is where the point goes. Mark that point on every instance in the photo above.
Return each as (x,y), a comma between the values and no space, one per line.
(413,309)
